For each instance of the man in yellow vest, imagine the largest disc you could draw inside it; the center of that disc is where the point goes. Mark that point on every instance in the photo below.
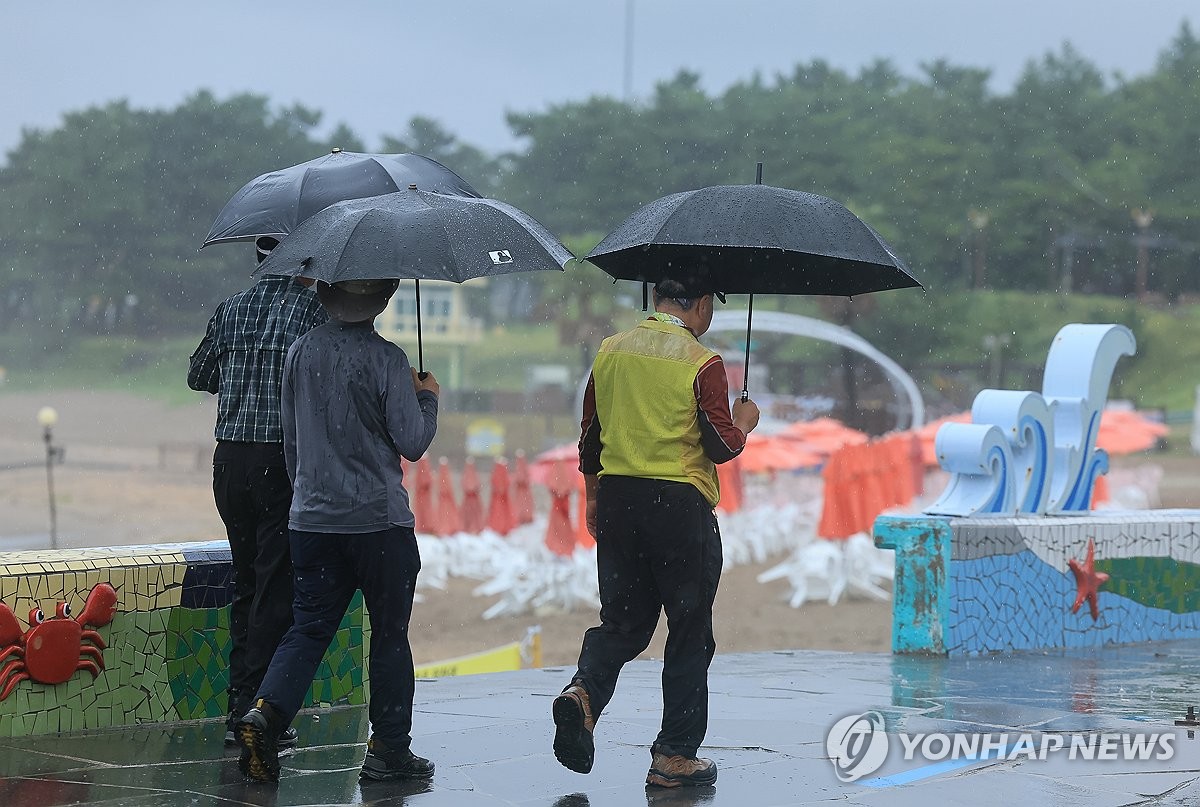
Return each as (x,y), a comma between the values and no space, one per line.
(656,420)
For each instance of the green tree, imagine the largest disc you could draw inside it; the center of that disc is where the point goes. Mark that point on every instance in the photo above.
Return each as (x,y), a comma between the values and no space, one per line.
(429,138)
(112,206)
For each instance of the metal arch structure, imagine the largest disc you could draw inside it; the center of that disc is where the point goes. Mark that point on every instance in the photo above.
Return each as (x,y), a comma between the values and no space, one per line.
(796,325)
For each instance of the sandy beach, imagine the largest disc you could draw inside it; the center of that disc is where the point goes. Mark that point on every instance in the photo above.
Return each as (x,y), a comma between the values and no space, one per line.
(138,472)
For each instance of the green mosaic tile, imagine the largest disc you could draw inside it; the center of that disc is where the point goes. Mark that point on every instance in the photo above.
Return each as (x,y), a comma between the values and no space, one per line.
(1154,582)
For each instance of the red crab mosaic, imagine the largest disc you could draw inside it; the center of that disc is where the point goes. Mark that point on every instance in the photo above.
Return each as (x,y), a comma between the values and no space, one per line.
(54,649)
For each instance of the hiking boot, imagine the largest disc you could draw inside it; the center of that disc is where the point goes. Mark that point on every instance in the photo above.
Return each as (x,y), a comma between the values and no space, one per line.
(678,771)
(287,738)
(574,724)
(385,763)
(258,733)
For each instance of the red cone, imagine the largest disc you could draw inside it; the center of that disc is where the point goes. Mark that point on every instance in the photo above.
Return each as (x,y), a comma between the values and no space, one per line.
(424,506)
(500,511)
(582,536)
(560,533)
(729,475)
(448,521)
(472,503)
(522,493)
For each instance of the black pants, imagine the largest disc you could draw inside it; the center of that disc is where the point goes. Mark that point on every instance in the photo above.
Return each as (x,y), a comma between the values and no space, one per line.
(253,494)
(329,568)
(657,549)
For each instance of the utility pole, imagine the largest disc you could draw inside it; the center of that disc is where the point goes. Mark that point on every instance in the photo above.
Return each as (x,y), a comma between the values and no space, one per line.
(627,84)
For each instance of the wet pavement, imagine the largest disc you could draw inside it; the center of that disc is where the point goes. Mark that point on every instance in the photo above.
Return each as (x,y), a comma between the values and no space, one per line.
(490,737)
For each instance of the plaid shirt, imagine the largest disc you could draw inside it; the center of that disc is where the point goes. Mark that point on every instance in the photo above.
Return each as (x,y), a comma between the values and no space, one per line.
(241,356)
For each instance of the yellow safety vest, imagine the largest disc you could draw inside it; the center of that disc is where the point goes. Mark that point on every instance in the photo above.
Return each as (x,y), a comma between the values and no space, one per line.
(646,403)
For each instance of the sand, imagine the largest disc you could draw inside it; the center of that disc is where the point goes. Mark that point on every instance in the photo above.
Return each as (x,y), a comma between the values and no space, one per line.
(138,471)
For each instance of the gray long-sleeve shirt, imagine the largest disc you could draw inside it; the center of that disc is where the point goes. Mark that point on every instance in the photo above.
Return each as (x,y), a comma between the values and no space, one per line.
(349,412)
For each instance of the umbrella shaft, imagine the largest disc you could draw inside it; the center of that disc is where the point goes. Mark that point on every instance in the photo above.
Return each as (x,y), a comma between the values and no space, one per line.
(746,366)
(420,347)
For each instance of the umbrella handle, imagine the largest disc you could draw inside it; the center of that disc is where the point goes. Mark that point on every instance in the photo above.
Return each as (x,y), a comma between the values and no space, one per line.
(746,366)
(421,374)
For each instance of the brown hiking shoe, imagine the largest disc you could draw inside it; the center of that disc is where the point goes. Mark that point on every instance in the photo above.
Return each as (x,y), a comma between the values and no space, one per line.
(574,724)
(258,734)
(679,770)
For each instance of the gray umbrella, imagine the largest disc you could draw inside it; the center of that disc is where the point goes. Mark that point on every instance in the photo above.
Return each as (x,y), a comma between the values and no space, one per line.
(277,202)
(418,235)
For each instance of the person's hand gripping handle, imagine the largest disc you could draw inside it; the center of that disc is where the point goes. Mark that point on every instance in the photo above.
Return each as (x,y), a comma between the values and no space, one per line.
(745,415)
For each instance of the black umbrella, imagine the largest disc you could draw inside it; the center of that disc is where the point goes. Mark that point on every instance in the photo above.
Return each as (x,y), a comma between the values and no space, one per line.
(418,235)
(752,239)
(275,203)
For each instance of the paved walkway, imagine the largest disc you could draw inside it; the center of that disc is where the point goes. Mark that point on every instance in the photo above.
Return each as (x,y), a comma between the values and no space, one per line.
(490,737)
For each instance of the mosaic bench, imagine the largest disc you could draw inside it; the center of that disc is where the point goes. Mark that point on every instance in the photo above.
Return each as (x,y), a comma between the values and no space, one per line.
(969,586)
(153,648)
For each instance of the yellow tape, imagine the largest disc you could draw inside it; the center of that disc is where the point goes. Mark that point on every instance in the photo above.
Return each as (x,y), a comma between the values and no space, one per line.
(499,659)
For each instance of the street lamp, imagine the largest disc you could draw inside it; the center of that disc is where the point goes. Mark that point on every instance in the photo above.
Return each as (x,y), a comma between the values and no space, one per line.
(47,417)
(979,222)
(1143,219)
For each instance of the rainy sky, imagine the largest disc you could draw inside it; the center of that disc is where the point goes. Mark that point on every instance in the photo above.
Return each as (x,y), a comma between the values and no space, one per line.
(374,64)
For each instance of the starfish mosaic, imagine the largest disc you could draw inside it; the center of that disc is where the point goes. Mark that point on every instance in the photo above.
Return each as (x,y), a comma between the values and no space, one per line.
(1087,581)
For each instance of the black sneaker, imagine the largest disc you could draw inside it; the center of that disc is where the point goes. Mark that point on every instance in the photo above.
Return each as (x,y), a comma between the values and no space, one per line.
(384,763)
(258,733)
(574,746)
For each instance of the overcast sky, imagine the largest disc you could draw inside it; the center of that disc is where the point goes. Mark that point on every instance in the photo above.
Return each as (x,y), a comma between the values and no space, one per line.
(375,64)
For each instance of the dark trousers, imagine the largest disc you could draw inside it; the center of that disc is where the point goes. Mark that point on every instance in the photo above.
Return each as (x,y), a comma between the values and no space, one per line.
(657,549)
(253,494)
(329,568)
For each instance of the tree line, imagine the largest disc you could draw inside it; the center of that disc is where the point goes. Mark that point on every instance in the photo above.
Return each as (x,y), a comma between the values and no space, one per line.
(1072,180)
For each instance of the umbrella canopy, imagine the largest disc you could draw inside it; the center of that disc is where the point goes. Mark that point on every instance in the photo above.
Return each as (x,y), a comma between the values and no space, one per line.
(277,202)
(764,453)
(543,465)
(753,239)
(418,235)
(822,436)
(1128,432)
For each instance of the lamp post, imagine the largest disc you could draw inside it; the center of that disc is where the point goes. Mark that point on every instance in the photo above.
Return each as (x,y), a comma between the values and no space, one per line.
(979,222)
(47,416)
(1143,219)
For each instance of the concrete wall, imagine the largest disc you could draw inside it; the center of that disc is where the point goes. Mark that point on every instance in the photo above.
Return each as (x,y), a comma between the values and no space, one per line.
(969,586)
